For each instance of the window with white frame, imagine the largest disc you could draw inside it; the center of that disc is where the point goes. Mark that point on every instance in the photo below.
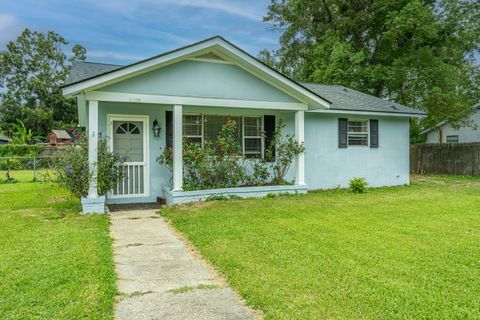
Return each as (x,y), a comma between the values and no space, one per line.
(358,132)
(200,128)
(193,128)
(252,137)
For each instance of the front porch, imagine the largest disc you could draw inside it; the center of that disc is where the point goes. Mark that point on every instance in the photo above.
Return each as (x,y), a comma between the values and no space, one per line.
(158,181)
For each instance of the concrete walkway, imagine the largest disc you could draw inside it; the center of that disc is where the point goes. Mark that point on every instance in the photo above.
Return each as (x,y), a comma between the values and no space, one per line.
(158,278)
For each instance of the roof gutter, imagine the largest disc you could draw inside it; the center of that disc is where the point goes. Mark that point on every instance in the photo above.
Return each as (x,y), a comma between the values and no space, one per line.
(369,112)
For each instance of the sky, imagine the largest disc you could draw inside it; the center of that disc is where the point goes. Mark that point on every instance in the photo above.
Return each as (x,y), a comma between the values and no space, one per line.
(125,31)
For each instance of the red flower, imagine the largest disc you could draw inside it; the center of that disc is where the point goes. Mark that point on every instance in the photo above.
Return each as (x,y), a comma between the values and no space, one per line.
(222,147)
(228,119)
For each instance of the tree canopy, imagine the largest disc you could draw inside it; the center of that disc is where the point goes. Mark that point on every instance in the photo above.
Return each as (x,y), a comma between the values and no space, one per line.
(32,69)
(418,53)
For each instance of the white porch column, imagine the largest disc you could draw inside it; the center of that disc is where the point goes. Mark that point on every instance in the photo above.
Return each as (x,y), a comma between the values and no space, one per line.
(300,136)
(177,147)
(93,146)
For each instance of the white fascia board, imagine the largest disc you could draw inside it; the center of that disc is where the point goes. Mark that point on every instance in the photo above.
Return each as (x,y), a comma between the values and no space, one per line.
(439,125)
(193,101)
(369,113)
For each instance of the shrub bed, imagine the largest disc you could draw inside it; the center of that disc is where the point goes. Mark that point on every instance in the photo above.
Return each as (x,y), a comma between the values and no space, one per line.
(221,164)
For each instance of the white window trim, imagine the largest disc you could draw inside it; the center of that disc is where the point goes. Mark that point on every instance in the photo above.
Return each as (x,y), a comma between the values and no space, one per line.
(452,135)
(356,133)
(194,136)
(262,137)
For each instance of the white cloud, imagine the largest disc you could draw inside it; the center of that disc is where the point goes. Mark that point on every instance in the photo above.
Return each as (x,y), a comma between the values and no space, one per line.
(108,55)
(128,7)
(246,10)
(10,28)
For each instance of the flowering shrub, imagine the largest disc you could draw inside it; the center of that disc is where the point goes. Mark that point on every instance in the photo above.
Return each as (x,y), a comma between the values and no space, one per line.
(72,170)
(217,164)
(220,164)
(281,152)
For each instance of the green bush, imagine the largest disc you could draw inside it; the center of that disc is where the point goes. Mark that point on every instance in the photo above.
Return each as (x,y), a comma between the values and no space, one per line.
(22,150)
(281,152)
(72,170)
(358,185)
(220,164)
(11,164)
(215,165)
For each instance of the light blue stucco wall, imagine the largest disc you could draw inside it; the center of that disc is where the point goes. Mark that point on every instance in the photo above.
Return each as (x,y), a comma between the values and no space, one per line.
(327,166)
(201,79)
(465,134)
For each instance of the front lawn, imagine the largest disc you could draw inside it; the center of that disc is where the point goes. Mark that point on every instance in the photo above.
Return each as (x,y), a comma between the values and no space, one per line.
(402,252)
(54,263)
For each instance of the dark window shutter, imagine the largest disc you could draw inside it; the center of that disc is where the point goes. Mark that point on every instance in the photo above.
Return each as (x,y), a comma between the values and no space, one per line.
(269,128)
(342,132)
(373,133)
(169,128)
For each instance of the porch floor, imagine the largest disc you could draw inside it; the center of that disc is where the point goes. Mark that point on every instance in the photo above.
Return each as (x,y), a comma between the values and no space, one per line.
(159,277)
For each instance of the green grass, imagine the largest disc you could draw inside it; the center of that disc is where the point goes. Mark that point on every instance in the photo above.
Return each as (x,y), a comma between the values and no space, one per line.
(409,252)
(24,175)
(54,262)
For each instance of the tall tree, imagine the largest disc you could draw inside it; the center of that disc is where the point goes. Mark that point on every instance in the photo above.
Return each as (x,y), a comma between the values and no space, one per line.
(419,53)
(32,68)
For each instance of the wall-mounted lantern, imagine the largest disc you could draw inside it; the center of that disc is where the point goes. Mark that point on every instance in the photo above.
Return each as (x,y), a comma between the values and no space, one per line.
(156,128)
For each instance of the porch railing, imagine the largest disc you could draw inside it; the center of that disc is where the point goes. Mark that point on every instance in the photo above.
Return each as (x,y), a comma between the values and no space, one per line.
(133,181)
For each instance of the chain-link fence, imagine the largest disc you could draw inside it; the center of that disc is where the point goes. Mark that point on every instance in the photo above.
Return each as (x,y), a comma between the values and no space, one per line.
(25,169)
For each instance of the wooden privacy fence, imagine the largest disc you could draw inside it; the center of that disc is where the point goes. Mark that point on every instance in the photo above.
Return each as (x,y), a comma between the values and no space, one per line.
(445,158)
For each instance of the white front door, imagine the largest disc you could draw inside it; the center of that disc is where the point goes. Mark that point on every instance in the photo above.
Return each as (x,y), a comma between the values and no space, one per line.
(129,138)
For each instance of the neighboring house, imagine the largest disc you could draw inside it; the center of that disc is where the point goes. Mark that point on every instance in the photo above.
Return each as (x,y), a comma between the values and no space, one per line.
(192,89)
(444,133)
(4,140)
(58,137)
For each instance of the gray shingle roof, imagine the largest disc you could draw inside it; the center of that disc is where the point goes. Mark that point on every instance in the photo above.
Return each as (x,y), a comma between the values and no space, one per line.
(343,98)
(82,70)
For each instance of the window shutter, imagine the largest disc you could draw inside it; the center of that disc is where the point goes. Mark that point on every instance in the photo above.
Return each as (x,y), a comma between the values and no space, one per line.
(169,128)
(342,132)
(269,128)
(373,133)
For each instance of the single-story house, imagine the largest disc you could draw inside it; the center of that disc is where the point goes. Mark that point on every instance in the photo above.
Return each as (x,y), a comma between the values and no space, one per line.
(445,133)
(186,92)
(58,137)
